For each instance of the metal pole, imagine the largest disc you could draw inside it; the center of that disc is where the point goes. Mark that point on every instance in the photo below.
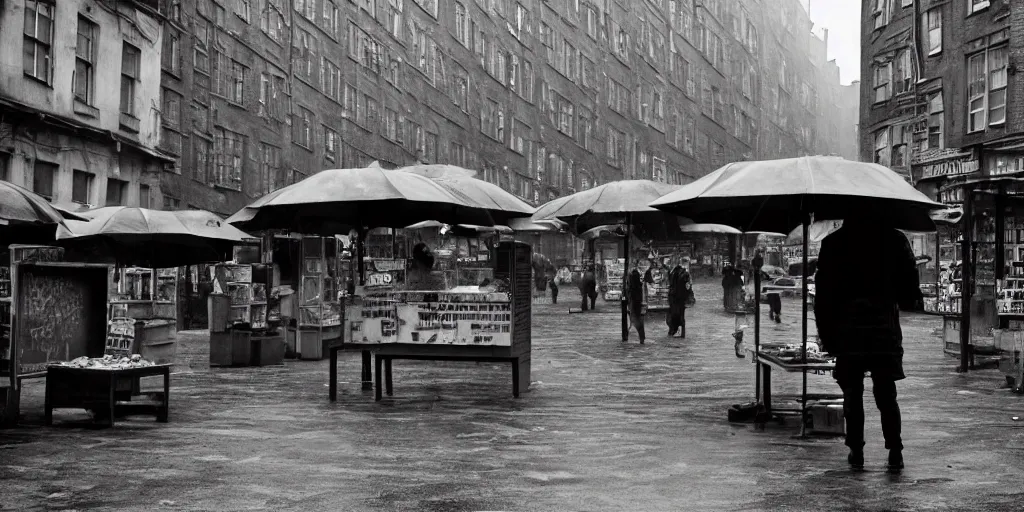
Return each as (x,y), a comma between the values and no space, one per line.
(757,331)
(803,396)
(625,275)
(966,278)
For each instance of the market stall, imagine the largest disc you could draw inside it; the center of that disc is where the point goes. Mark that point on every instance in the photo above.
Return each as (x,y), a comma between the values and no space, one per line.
(804,190)
(461,322)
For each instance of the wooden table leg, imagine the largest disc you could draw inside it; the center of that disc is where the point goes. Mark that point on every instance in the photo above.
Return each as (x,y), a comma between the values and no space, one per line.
(388,384)
(165,408)
(766,387)
(367,371)
(332,388)
(378,390)
(112,398)
(515,378)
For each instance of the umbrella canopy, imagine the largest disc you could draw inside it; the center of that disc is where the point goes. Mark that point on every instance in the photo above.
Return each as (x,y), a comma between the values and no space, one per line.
(428,224)
(710,228)
(338,200)
(609,204)
(26,217)
(608,231)
(531,225)
(818,230)
(502,205)
(151,238)
(775,195)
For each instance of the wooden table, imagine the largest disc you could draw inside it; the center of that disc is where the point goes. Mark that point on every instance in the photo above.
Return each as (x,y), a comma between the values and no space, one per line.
(767,362)
(101,390)
(385,353)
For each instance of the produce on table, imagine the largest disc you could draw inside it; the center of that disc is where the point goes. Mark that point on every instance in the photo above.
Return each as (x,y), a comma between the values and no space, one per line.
(107,362)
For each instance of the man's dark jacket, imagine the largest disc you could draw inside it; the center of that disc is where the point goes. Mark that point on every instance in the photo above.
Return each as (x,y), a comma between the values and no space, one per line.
(865,275)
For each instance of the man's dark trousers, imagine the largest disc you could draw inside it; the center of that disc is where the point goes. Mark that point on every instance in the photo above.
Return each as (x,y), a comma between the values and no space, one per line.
(885,371)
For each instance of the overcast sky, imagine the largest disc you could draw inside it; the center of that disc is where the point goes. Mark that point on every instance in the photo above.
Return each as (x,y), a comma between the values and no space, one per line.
(842,19)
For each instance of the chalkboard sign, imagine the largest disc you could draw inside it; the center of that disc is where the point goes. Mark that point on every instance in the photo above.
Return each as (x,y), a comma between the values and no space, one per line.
(60,313)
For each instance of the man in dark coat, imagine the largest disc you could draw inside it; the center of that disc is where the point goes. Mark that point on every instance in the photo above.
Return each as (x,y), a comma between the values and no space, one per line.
(678,294)
(866,274)
(588,288)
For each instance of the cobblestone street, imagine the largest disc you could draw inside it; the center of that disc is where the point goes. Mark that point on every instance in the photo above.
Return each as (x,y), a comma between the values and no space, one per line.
(605,426)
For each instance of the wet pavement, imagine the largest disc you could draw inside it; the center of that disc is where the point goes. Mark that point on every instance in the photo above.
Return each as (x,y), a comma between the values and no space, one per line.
(605,426)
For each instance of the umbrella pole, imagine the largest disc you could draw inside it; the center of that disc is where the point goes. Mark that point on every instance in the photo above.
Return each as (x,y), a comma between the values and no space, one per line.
(803,397)
(624,300)
(757,333)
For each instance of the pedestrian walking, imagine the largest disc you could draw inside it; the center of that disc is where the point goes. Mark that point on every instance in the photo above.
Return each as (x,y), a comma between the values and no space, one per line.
(588,288)
(554,290)
(866,274)
(775,306)
(634,296)
(679,290)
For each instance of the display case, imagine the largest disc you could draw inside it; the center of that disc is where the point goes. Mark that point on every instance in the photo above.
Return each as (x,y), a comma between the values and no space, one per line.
(5,317)
(246,287)
(318,290)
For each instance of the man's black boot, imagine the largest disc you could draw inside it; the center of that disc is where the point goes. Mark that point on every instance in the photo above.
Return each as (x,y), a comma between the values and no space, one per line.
(856,459)
(895,461)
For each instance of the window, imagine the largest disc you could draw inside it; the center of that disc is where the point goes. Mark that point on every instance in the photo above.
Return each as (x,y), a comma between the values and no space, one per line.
(364,49)
(986,79)
(516,142)
(115,192)
(271,176)
(428,5)
(242,9)
(238,81)
(932,30)
(332,19)
(81,186)
(171,112)
(304,54)
(584,128)
(272,21)
(456,154)
(129,77)
(903,72)
(349,102)
(461,24)
(330,144)
(616,147)
(880,12)
(977,5)
(593,22)
(229,151)
(526,81)
(201,165)
(85,60)
(883,82)
(900,145)
(307,8)
(171,203)
(38,39)
(172,52)
(935,122)
(520,21)
(302,128)
(200,52)
(393,18)
(144,196)
(566,117)
(882,147)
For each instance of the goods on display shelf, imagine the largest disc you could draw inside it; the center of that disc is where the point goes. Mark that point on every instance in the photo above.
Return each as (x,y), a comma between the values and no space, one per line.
(464,315)
(319,304)
(793,354)
(5,317)
(614,272)
(107,362)
(246,287)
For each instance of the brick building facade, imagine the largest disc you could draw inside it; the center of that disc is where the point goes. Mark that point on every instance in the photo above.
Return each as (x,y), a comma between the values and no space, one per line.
(79,100)
(940,100)
(542,97)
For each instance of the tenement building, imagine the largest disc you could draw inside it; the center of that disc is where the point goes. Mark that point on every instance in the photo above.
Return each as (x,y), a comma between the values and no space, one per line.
(542,97)
(80,100)
(940,101)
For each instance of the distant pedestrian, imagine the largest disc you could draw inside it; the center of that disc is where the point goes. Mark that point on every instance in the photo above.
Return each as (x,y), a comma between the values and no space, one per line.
(554,290)
(860,324)
(679,290)
(588,288)
(775,306)
(634,295)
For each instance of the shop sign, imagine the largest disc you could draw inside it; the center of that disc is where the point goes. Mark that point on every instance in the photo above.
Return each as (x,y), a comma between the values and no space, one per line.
(949,168)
